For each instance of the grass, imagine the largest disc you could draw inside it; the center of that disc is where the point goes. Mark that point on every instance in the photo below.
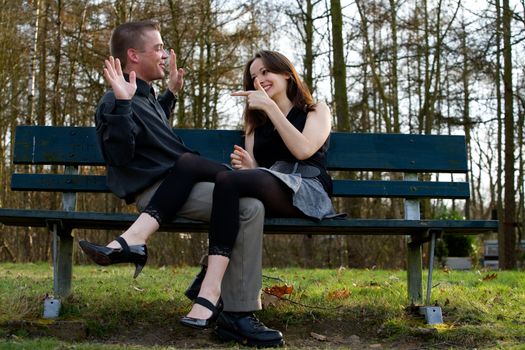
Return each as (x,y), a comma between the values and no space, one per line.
(351,308)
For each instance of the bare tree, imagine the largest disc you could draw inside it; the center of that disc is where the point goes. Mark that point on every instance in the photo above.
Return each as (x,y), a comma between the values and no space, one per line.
(339,67)
(507,241)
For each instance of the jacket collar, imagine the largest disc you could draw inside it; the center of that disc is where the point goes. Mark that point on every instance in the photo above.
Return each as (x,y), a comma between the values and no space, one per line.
(143,88)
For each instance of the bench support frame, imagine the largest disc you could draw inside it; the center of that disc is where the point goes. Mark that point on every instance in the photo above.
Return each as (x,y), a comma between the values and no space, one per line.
(62,259)
(414,256)
(432,314)
(63,246)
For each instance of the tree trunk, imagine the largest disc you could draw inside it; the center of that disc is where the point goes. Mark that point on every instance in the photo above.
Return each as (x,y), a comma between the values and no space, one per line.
(32,66)
(499,113)
(339,67)
(308,60)
(467,125)
(394,68)
(56,110)
(507,242)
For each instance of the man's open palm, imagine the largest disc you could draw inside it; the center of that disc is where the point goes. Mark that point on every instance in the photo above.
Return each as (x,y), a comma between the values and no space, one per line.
(122,89)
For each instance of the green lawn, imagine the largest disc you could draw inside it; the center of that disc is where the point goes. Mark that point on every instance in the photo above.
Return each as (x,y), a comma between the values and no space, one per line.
(347,308)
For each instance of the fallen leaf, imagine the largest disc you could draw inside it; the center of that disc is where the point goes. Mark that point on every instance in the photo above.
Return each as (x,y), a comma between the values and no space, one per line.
(279,291)
(268,300)
(490,276)
(339,294)
(319,337)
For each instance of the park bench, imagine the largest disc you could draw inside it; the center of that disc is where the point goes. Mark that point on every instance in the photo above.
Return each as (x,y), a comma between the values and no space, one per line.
(411,156)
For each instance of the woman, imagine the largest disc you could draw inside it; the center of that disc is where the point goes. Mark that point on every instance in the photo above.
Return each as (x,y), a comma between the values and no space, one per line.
(283,165)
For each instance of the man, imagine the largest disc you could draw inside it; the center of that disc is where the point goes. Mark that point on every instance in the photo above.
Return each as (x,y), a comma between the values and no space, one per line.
(140,147)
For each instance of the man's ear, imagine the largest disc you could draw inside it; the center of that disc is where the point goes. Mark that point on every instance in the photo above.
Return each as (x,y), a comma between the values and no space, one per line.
(133,56)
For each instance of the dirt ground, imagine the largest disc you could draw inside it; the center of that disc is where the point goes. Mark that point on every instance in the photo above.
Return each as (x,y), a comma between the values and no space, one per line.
(316,335)
(319,336)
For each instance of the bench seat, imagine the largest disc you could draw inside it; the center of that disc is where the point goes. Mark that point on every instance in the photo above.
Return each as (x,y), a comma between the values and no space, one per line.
(338,226)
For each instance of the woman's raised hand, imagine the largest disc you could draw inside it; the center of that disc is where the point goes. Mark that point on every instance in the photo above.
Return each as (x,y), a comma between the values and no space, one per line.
(241,159)
(256,99)
(122,89)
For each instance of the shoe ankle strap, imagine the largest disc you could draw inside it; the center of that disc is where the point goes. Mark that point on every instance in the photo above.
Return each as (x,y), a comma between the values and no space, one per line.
(123,243)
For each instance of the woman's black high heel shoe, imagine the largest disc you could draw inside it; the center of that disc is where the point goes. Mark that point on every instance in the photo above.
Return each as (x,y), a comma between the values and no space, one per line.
(206,323)
(137,254)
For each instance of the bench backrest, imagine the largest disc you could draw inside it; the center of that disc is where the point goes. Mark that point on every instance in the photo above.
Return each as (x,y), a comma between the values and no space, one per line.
(77,146)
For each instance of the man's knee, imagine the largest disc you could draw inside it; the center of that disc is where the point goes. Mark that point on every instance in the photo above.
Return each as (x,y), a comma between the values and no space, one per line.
(250,208)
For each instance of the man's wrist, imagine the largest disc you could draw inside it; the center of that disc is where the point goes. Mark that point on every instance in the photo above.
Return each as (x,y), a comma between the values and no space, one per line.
(122,106)
(174,94)
(174,91)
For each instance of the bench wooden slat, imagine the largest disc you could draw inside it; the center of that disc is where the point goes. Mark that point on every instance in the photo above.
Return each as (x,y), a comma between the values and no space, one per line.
(59,183)
(401,189)
(120,221)
(398,152)
(56,145)
(78,145)
(342,188)
(371,152)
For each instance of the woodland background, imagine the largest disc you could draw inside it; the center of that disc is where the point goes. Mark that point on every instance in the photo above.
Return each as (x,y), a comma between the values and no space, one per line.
(410,66)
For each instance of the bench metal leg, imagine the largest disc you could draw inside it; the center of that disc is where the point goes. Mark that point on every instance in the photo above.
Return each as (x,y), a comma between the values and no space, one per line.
(432,314)
(414,264)
(62,261)
(415,273)
(62,269)
(430,265)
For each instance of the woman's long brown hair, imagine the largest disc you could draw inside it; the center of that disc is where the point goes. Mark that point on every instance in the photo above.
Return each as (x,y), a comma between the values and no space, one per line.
(296,91)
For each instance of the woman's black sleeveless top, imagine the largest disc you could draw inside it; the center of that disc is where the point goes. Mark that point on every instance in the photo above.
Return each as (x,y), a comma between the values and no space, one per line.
(269,147)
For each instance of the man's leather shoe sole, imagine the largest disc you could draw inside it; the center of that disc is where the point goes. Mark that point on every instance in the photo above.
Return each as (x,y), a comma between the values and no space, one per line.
(228,335)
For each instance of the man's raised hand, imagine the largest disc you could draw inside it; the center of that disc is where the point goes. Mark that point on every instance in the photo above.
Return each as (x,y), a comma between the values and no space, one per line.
(122,89)
(176,77)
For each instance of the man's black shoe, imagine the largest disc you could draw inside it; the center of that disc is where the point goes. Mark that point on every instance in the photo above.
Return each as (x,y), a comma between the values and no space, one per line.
(245,328)
(193,290)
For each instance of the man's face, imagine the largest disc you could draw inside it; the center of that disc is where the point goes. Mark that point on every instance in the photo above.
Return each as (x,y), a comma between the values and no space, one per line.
(151,57)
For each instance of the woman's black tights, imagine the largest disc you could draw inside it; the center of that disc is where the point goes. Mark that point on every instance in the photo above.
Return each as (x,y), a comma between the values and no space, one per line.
(171,195)
(229,188)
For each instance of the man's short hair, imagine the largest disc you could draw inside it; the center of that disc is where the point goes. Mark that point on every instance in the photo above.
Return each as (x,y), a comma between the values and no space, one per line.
(129,35)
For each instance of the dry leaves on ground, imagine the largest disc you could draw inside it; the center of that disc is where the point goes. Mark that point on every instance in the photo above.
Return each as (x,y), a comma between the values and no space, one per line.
(279,291)
(490,277)
(272,295)
(339,294)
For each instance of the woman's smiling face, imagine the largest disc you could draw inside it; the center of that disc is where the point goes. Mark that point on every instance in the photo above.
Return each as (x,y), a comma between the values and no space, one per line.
(274,84)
